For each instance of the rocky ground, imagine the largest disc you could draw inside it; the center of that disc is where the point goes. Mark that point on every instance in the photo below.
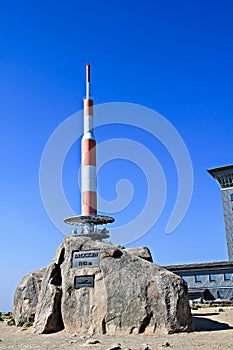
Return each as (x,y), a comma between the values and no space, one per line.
(214,330)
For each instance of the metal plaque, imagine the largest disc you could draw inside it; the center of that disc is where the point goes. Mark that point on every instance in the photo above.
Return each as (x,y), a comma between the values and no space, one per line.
(83,282)
(86,258)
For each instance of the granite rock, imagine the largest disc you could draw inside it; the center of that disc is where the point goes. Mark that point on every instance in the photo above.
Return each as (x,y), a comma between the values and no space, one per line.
(141,252)
(130,295)
(26,297)
(48,316)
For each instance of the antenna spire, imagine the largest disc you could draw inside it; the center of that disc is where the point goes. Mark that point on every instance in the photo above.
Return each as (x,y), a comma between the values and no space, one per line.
(88,79)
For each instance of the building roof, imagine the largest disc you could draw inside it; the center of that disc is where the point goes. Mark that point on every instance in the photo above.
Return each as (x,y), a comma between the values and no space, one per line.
(213,171)
(206,265)
(196,290)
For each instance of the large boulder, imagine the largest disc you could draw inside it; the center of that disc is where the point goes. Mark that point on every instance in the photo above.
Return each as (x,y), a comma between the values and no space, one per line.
(26,297)
(93,287)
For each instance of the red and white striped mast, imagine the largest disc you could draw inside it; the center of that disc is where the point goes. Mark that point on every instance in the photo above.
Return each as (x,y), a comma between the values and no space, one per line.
(88,177)
(89,218)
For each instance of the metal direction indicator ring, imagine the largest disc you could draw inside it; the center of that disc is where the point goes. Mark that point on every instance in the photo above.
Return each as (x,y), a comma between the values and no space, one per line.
(81,220)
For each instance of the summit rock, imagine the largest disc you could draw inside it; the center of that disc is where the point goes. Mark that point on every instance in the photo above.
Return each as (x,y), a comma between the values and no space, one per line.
(120,294)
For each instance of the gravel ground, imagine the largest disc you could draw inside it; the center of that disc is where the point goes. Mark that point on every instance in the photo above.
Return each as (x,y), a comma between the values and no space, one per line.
(213,331)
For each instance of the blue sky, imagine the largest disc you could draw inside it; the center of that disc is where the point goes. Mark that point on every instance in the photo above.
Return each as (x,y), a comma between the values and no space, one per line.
(174,57)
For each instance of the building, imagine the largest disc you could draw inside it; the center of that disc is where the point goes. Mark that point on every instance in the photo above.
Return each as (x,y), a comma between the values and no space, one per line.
(212,280)
(224,176)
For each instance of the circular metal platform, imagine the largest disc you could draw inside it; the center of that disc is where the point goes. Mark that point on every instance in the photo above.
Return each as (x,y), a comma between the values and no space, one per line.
(94,236)
(82,220)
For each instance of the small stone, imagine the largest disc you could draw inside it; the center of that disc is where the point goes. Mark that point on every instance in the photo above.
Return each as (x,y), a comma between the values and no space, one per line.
(92,341)
(220,310)
(146,347)
(82,337)
(73,341)
(115,347)
(10,322)
(166,345)
(27,325)
(194,307)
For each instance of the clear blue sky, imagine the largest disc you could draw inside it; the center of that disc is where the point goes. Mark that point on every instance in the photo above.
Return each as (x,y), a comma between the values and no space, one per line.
(175,57)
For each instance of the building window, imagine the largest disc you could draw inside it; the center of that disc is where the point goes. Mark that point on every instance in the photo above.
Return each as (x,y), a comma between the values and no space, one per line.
(227,276)
(184,278)
(220,294)
(197,278)
(212,278)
